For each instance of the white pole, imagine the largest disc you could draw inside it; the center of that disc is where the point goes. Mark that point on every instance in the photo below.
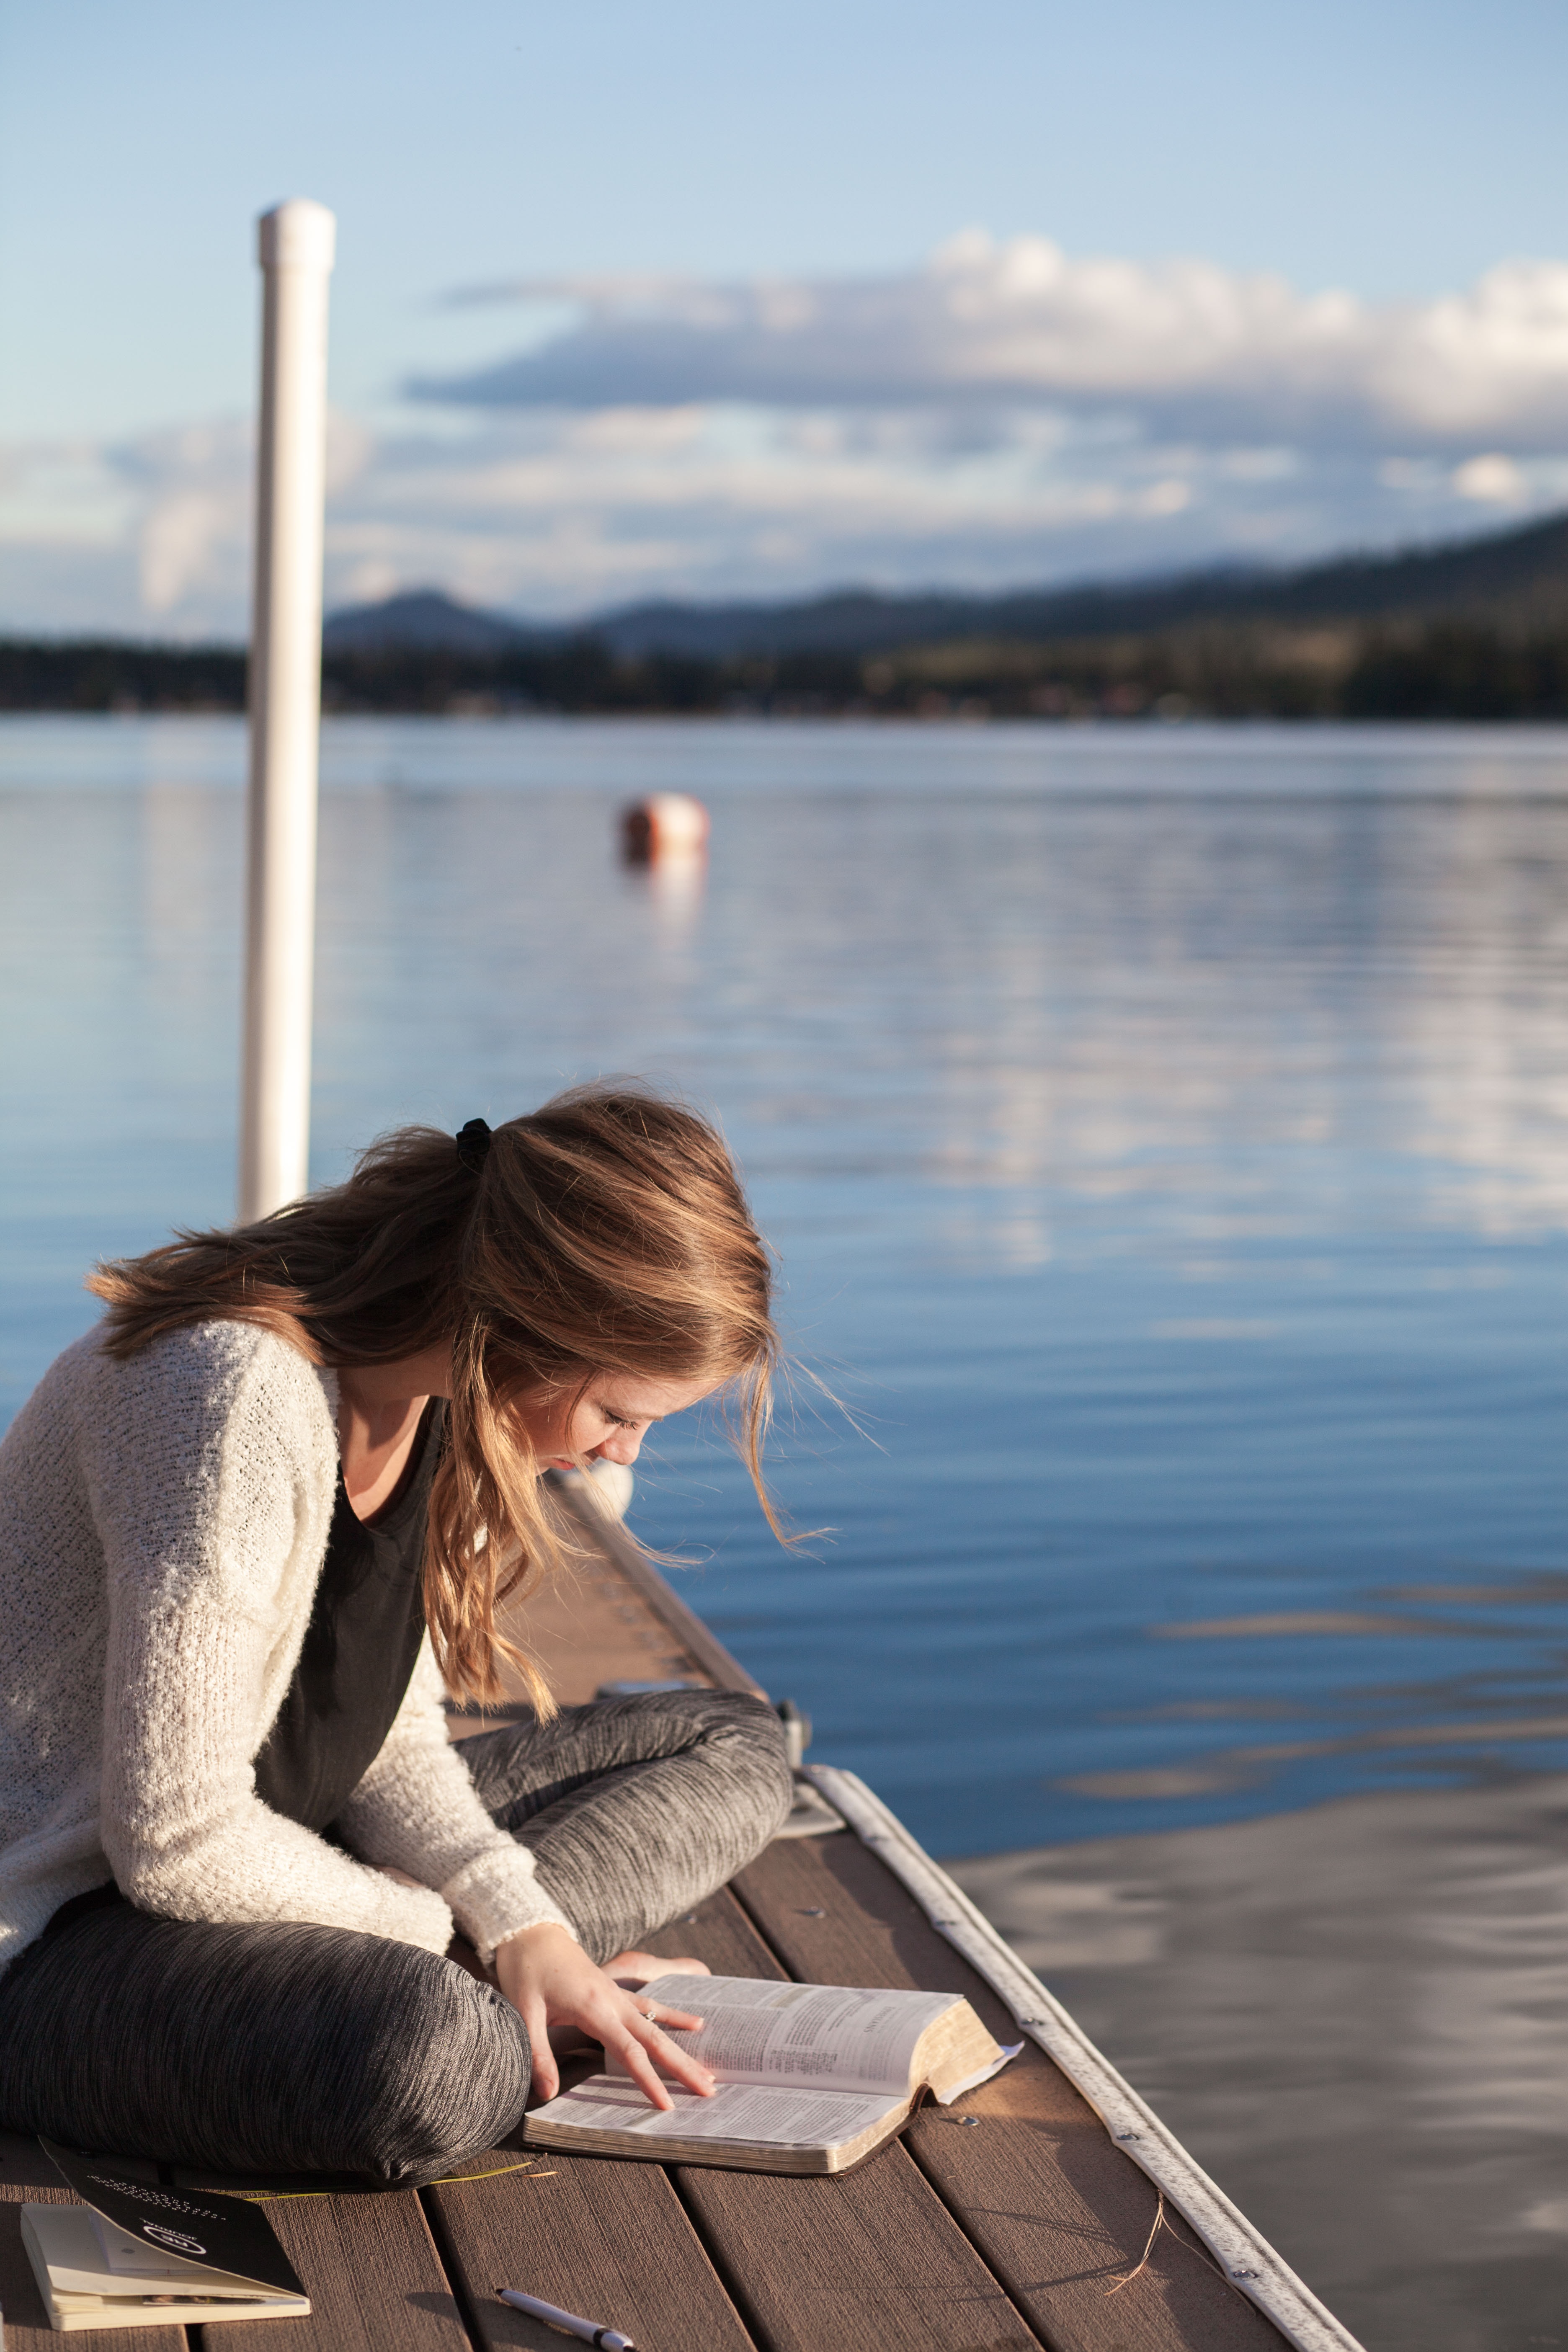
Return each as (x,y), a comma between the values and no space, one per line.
(296,241)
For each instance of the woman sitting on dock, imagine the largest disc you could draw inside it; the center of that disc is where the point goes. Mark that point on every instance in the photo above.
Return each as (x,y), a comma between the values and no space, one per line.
(251,1529)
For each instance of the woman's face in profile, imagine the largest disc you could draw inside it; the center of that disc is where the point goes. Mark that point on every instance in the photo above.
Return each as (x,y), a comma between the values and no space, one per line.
(608,1425)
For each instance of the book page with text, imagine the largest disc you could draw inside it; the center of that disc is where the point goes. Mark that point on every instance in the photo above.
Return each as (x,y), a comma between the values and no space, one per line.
(827,2036)
(800,2117)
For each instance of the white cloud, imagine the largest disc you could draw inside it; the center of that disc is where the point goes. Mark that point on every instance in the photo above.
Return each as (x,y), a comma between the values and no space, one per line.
(1184,344)
(1004,416)
(149,534)
(194,519)
(1493,479)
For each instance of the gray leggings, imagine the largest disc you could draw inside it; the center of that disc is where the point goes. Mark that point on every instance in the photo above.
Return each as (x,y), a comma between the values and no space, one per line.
(280,2047)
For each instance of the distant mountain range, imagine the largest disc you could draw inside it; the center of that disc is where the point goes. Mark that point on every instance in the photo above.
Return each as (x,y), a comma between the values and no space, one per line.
(1518,576)
(1474,630)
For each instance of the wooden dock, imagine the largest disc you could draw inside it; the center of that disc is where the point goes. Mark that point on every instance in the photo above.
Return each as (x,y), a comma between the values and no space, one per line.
(1009,2221)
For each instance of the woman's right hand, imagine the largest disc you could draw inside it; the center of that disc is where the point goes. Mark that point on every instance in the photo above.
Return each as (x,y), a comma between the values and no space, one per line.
(550,1981)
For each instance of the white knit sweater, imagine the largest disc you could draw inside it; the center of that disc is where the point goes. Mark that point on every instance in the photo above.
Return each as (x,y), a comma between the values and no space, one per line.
(162,1526)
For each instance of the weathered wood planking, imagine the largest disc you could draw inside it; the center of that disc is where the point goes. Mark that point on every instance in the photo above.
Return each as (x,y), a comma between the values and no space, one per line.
(370,2267)
(1058,2211)
(609,2241)
(871,2257)
(829,2266)
(582,2237)
(608,1617)
(28,2177)
(713,1662)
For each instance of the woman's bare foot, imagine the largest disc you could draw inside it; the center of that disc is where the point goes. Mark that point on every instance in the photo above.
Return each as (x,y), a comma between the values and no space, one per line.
(641,1967)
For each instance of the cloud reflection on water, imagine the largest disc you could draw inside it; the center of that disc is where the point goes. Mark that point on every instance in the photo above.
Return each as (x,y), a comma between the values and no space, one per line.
(1357,2019)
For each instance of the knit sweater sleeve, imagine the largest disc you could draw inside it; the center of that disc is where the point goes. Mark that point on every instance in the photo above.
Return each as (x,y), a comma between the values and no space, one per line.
(417,1808)
(211,1506)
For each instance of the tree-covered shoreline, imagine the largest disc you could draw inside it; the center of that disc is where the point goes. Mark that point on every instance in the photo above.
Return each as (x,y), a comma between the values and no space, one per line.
(1437,669)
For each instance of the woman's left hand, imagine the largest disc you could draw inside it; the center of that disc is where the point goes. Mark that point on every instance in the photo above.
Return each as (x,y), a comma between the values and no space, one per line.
(550,1981)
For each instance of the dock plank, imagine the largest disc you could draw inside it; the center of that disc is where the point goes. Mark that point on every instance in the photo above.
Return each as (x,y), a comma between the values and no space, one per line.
(591,1625)
(369,2265)
(721,1934)
(28,2177)
(1058,2211)
(1051,2211)
(612,2242)
(871,2257)
(607,1616)
(828,2266)
(712,1662)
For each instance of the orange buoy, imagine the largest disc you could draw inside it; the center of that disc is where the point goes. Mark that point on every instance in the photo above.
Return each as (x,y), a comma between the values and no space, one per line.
(663,824)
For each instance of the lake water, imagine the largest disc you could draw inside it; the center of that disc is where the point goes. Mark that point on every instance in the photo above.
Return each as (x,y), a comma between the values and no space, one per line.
(1165,1134)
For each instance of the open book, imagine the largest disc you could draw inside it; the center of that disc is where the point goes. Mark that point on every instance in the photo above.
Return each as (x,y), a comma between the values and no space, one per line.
(137,2255)
(811,2077)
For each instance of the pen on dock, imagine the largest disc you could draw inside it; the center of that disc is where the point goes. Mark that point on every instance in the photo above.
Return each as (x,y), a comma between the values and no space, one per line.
(608,2339)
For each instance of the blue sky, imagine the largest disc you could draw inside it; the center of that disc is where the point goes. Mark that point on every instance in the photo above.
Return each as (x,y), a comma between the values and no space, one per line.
(734,366)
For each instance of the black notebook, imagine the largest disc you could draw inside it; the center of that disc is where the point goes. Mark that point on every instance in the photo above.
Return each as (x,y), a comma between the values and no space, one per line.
(135,2255)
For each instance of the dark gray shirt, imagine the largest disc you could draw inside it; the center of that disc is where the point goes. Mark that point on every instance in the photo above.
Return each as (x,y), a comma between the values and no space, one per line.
(364,1636)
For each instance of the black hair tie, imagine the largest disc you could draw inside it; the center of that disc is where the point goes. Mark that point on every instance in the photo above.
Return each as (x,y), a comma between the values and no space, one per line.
(473,1144)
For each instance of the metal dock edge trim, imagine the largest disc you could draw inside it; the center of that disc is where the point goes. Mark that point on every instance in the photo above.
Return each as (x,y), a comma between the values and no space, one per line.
(1249,2262)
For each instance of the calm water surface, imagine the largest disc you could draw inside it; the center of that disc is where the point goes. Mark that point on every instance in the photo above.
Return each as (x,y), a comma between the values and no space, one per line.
(1165,1137)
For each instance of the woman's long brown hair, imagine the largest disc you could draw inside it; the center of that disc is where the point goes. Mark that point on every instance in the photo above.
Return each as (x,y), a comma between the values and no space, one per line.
(605,1234)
